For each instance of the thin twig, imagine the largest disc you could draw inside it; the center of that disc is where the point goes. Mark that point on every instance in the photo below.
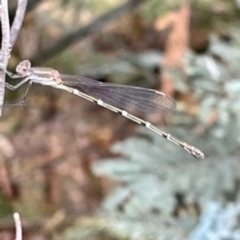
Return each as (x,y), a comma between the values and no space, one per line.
(6,47)
(7,40)
(17,23)
(18,226)
(85,31)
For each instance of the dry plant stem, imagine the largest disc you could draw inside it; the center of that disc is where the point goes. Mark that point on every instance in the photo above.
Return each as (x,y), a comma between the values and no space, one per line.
(84,32)
(18,226)
(17,23)
(5,50)
(7,40)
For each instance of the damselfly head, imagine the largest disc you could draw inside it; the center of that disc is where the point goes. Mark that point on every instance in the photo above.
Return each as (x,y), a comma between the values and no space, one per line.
(23,68)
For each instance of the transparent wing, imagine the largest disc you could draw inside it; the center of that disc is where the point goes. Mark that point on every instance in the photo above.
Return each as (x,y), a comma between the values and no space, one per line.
(122,96)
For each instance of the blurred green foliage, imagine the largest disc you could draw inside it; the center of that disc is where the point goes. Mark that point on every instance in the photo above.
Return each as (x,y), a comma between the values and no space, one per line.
(154,173)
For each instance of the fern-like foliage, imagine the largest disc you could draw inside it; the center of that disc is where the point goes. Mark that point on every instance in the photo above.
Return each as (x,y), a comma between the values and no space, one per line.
(218,222)
(163,190)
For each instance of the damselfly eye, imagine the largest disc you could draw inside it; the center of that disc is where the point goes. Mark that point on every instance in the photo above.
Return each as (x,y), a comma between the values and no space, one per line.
(23,67)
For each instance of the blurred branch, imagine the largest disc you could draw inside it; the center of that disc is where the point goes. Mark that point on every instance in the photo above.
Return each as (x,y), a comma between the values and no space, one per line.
(237,3)
(17,23)
(5,48)
(176,45)
(84,32)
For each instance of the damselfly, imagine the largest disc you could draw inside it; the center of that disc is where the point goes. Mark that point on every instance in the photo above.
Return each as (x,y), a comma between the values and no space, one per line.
(115,97)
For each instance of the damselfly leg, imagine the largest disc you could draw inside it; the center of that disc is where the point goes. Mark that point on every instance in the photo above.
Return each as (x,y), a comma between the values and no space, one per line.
(24,99)
(14,87)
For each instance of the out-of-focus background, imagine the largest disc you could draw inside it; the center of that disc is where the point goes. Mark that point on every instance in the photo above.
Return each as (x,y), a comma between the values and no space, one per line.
(74,170)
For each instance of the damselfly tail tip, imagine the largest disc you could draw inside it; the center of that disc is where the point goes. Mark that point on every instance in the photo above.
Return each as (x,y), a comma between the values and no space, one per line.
(197,153)
(193,151)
